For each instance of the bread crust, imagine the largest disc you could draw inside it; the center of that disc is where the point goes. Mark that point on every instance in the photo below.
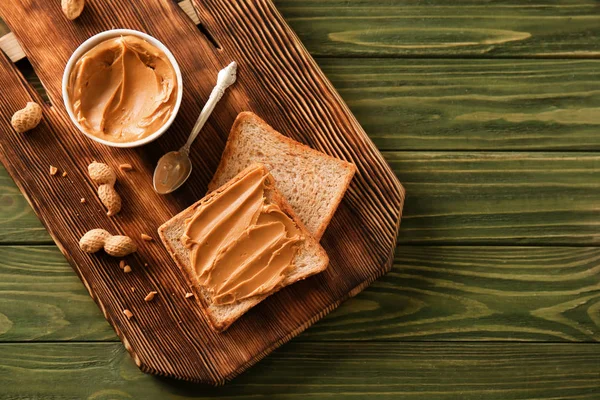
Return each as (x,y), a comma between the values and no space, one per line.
(245,117)
(180,254)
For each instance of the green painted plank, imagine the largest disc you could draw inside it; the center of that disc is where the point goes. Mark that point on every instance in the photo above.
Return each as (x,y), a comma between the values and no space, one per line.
(432,293)
(454,197)
(41,298)
(476,294)
(437,28)
(317,370)
(408,104)
(18,222)
(464,28)
(499,198)
(472,104)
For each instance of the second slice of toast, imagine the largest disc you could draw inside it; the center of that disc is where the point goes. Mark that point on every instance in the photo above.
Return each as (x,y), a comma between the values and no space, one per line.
(312,182)
(310,258)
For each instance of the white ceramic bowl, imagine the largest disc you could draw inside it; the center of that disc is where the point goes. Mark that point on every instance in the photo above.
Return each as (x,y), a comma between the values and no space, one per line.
(93,41)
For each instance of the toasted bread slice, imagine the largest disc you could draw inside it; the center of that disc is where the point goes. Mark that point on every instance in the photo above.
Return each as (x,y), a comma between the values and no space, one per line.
(312,182)
(309,260)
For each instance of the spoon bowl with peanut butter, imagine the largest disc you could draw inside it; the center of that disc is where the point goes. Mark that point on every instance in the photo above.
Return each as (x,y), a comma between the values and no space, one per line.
(175,167)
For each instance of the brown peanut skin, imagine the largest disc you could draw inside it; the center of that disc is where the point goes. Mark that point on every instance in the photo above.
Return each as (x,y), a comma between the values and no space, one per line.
(110,198)
(72,8)
(116,246)
(27,118)
(102,174)
(119,246)
(93,240)
(106,178)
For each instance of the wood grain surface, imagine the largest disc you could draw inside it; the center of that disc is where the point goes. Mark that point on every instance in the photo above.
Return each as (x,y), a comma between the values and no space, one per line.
(536,198)
(11,47)
(467,293)
(500,197)
(537,105)
(499,371)
(413,102)
(468,104)
(18,222)
(437,28)
(41,299)
(279,81)
(432,293)
(463,29)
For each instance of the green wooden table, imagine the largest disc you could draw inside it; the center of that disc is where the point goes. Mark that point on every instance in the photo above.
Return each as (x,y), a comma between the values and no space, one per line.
(489,112)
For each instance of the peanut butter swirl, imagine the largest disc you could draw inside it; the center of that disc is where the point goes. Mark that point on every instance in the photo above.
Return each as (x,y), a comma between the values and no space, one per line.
(123,89)
(240,246)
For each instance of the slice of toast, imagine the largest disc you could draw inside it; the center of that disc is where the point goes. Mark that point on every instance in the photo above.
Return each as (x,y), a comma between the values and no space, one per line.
(309,260)
(312,182)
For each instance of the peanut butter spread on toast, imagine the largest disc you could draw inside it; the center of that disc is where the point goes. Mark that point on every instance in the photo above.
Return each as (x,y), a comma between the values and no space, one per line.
(240,246)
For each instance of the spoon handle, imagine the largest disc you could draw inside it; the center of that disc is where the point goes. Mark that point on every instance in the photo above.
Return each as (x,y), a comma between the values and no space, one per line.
(226,78)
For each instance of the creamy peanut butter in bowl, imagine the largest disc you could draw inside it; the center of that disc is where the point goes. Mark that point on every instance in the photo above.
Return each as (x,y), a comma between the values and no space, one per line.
(122,88)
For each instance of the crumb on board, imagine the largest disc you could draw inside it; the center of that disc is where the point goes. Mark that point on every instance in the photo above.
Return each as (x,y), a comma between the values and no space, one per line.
(150,296)
(128,313)
(64,174)
(53,170)
(188,295)
(82,200)
(125,167)
(122,264)
(127,269)
(132,289)
(147,238)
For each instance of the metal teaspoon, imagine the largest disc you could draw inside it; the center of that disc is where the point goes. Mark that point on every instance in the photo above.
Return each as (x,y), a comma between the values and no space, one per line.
(175,167)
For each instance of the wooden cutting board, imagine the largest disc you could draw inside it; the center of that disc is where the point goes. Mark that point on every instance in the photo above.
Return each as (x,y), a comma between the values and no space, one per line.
(278,80)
